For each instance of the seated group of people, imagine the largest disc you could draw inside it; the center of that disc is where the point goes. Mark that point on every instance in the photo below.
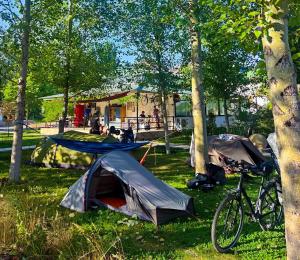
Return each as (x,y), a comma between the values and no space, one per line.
(97,127)
(146,124)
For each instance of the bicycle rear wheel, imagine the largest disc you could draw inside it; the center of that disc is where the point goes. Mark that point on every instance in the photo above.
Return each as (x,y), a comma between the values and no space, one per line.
(270,207)
(227,223)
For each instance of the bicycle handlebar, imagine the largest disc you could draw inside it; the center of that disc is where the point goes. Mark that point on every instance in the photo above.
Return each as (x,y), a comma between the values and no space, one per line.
(244,167)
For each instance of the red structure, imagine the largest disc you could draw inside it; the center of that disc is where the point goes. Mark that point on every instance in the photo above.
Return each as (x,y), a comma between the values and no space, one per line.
(79,115)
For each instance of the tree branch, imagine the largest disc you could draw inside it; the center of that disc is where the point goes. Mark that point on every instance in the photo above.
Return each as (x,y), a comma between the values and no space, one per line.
(6,78)
(21,3)
(8,8)
(181,6)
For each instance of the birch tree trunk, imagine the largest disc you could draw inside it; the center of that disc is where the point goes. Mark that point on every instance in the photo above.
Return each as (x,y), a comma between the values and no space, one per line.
(162,85)
(165,118)
(16,154)
(286,112)
(198,106)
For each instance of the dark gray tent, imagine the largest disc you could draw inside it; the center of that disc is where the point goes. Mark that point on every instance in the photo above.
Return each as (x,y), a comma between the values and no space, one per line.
(117,181)
(234,147)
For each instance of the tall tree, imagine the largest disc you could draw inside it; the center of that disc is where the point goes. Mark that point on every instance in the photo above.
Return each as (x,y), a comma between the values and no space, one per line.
(74,53)
(268,20)
(198,106)
(14,172)
(286,112)
(225,72)
(153,38)
(68,52)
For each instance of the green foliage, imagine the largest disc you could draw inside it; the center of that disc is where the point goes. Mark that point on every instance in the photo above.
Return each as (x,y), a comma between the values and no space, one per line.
(225,70)
(81,57)
(245,20)
(211,124)
(124,100)
(52,110)
(147,27)
(261,122)
(264,122)
(33,105)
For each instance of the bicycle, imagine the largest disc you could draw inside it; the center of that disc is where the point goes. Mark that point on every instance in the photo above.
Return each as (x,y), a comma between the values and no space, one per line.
(155,100)
(229,217)
(272,191)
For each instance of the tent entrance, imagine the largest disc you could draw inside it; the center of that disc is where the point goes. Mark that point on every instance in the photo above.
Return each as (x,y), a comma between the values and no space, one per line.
(106,189)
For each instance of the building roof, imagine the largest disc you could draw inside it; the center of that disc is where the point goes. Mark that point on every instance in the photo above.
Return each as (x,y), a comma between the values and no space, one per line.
(107,98)
(99,93)
(52,97)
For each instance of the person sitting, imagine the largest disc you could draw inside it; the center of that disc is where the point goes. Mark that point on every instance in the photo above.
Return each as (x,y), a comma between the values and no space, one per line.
(148,123)
(95,125)
(113,130)
(142,119)
(142,115)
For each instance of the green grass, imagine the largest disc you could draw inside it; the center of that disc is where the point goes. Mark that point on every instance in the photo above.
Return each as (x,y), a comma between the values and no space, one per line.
(182,137)
(30,137)
(35,224)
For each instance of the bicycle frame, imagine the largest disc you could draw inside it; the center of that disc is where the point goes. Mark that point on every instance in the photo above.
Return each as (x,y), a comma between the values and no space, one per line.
(243,193)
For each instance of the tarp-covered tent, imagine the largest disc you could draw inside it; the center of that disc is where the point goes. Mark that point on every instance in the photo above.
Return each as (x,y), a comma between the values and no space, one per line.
(49,154)
(234,147)
(272,141)
(117,181)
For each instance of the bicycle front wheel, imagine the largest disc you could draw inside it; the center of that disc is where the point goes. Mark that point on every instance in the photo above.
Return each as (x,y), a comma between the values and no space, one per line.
(270,207)
(227,223)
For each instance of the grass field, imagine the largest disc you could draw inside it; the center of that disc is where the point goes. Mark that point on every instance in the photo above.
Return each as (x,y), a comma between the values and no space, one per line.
(30,138)
(33,223)
(183,137)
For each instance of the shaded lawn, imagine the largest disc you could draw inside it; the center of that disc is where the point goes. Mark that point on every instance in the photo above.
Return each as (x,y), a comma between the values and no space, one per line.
(30,137)
(44,228)
(181,138)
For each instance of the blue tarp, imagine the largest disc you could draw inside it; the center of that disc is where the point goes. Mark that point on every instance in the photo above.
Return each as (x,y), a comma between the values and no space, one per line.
(96,147)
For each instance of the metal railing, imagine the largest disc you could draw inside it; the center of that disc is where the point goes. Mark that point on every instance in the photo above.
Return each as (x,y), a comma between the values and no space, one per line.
(150,123)
(136,123)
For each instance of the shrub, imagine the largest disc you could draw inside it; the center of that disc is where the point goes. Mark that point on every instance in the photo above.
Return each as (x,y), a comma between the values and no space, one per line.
(52,110)
(261,122)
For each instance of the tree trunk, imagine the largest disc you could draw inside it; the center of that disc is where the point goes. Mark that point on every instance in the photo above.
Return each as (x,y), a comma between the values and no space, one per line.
(162,85)
(165,118)
(226,116)
(68,68)
(16,154)
(65,108)
(199,117)
(286,112)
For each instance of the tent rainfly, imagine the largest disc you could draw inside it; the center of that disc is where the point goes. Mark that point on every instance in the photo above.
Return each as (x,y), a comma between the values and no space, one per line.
(235,147)
(73,149)
(118,182)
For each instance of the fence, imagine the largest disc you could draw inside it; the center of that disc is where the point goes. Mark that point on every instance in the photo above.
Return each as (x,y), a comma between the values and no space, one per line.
(141,123)
(136,123)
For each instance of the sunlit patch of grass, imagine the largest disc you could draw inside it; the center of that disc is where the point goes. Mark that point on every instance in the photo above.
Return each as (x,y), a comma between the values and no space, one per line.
(7,227)
(30,137)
